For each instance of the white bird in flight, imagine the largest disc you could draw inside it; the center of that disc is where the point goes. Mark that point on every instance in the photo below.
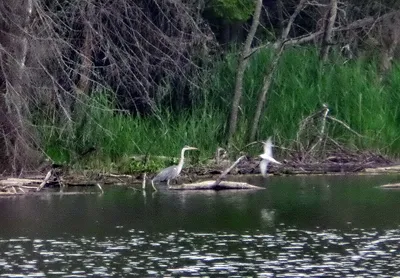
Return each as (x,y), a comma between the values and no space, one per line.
(267,157)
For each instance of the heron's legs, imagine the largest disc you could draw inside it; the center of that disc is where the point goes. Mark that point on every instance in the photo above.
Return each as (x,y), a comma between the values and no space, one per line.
(168,183)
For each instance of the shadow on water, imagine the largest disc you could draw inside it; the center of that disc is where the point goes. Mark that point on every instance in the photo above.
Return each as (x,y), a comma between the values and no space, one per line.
(314,226)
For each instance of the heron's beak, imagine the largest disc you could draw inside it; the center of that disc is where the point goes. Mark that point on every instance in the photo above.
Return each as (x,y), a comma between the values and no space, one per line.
(192,148)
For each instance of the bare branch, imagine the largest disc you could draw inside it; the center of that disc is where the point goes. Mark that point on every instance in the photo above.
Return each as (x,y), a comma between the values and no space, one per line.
(296,12)
(226,172)
(345,125)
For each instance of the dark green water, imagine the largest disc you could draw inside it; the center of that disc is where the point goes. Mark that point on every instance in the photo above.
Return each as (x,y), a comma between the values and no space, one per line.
(328,226)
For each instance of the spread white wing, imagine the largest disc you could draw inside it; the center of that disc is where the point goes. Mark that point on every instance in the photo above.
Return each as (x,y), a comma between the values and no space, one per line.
(268,147)
(267,155)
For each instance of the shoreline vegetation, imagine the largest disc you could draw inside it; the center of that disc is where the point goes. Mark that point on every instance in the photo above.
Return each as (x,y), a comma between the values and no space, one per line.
(313,114)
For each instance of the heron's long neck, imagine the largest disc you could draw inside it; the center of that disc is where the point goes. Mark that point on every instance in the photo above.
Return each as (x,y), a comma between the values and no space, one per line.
(180,165)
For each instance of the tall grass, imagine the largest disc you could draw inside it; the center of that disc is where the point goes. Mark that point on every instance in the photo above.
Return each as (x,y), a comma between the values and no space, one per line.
(352,90)
(117,137)
(301,85)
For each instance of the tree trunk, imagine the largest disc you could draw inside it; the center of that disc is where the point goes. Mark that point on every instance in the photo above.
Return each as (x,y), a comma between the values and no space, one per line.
(263,94)
(328,27)
(86,53)
(240,72)
(390,34)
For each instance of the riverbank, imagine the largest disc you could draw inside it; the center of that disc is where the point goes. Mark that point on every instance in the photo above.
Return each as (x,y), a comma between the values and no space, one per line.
(363,163)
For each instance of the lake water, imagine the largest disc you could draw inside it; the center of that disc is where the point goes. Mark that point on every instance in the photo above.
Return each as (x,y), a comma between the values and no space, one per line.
(322,226)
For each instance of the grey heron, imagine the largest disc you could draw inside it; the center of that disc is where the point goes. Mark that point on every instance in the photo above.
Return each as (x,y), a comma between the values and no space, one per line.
(267,157)
(173,171)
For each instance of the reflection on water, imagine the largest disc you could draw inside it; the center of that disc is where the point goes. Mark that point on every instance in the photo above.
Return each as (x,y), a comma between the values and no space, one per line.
(298,226)
(288,252)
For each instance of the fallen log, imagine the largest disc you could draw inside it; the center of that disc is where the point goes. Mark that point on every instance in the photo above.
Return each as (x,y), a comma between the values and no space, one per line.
(386,169)
(390,186)
(16,181)
(21,186)
(218,184)
(211,185)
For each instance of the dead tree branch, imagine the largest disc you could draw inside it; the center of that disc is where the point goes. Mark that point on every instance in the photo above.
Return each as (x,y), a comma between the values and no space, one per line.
(328,28)
(308,138)
(360,23)
(226,172)
(325,111)
(345,125)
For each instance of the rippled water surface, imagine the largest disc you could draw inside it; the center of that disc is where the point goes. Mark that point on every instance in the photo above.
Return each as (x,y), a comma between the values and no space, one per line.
(332,226)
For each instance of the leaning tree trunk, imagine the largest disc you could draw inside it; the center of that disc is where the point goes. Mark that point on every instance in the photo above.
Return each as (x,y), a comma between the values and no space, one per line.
(240,72)
(328,27)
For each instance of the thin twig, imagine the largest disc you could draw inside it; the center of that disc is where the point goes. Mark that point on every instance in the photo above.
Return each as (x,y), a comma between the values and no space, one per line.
(345,125)
(323,124)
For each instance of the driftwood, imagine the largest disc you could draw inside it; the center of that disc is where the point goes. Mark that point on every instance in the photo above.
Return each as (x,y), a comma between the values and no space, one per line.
(218,184)
(390,186)
(386,169)
(19,186)
(226,172)
(210,185)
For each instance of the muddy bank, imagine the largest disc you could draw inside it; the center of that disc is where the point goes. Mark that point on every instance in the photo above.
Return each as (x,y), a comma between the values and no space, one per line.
(62,177)
(250,166)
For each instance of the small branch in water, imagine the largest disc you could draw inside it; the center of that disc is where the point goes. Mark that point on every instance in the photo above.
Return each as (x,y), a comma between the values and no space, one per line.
(144,181)
(46,179)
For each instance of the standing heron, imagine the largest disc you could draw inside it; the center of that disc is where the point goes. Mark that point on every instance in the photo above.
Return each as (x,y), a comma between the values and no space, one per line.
(267,157)
(171,172)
